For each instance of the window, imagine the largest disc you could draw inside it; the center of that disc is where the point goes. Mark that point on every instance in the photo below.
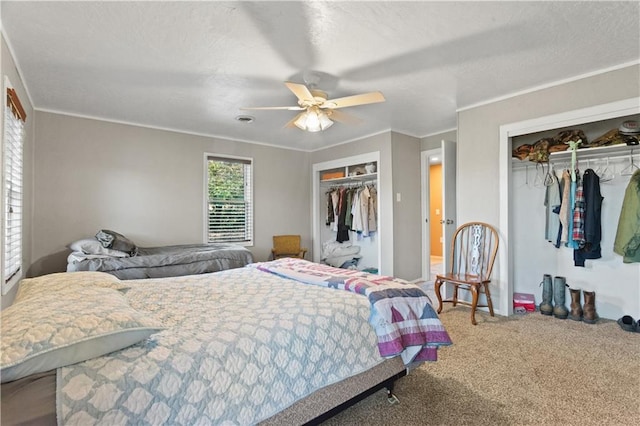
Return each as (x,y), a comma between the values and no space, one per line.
(12,145)
(230,200)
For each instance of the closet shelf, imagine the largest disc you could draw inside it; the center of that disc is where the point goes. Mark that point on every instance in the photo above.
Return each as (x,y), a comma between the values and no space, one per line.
(356,178)
(584,154)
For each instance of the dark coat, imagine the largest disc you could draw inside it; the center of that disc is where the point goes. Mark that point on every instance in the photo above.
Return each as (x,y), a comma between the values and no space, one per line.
(592,219)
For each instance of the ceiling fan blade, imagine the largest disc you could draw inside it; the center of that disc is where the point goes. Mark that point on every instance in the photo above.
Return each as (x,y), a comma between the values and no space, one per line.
(290,108)
(300,90)
(343,117)
(347,101)
(290,122)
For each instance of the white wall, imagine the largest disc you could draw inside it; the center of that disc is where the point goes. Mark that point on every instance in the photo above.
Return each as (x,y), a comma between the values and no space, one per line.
(478,195)
(149,185)
(435,141)
(407,212)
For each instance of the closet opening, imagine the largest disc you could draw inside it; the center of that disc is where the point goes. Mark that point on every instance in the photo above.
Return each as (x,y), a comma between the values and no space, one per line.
(525,253)
(350,221)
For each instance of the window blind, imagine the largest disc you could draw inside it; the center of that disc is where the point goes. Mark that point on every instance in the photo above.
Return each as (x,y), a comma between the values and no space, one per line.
(13,142)
(230,205)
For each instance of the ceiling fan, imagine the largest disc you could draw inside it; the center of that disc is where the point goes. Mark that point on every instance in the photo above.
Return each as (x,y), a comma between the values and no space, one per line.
(318,112)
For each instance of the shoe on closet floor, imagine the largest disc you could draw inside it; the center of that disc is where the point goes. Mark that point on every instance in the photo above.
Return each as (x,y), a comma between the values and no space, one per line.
(629,324)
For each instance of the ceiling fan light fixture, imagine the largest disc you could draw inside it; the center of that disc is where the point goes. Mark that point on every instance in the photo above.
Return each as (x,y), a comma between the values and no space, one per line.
(313,120)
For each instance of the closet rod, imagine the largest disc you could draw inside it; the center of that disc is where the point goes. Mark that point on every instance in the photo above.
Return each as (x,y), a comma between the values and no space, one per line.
(526,164)
(352,184)
(607,158)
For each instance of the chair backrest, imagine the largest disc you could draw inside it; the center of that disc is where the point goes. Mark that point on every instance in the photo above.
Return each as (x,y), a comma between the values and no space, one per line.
(286,244)
(473,249)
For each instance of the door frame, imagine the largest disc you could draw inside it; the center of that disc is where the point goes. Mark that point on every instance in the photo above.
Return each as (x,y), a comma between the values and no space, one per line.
(507,132)
(425,162)
(385,217)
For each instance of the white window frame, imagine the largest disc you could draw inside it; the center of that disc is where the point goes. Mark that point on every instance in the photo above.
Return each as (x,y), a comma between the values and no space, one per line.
(11,277)
(249,191)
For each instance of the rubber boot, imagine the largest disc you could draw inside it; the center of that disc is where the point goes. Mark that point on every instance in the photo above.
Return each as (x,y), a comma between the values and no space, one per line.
(590,316)
(559,310)
(546,308)
(576,308)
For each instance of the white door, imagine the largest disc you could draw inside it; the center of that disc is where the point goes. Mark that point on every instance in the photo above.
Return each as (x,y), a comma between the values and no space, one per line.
(448,199)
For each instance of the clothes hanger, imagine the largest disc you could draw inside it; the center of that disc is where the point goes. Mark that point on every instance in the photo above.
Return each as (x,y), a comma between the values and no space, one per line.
(538,181)
(631,168)
(605,174)
(550,178)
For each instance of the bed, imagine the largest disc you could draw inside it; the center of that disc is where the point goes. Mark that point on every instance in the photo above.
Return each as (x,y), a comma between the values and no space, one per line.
(122,258)
(281,342)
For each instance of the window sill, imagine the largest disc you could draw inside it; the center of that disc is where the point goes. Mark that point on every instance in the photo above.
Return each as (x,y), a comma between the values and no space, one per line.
(6,287)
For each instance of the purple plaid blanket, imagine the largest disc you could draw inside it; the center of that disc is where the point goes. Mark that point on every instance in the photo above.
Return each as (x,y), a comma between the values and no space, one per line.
(401,313)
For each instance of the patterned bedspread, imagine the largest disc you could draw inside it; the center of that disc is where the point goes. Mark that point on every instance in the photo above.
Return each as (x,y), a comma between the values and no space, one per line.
(240,346)
(401,313)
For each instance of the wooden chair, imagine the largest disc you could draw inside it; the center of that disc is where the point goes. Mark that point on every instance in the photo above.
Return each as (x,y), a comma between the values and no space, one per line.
(473,252)
(287,246)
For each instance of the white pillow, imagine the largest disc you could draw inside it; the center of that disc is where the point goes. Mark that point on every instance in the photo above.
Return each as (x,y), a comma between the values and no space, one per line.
(59,329)
(93,246)
(78,256)
(60,281)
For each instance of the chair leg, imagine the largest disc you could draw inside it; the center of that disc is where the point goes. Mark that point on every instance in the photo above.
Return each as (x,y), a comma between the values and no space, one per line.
(455,295)
(489,302)
(436,286)
(474,304)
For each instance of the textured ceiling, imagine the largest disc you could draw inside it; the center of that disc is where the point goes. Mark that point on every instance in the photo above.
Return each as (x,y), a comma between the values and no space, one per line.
(190,66)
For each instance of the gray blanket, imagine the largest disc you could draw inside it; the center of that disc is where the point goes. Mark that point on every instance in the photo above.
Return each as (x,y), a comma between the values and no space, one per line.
(168,261)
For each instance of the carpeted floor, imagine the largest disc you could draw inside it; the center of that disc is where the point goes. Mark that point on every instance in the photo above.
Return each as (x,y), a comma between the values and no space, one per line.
(523,370)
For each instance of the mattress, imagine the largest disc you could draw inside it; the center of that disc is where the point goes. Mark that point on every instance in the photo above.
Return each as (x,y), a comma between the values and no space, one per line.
(31,401)
(166,261)
(242,346)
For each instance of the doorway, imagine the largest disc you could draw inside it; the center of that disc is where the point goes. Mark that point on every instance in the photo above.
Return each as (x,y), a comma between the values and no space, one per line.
(436,239)
(438,167)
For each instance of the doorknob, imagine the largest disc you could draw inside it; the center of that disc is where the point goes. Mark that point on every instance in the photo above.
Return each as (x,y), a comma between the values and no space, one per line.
(447,222)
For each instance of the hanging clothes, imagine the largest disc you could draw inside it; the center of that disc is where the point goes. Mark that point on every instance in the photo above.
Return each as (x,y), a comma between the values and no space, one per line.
(552,208)
(373,209)
(592,222)
(352,209)
(565,207)
(343,230)
(364,211)
(578,215)
(335,198)
(349,219)
(572,202)
(573,146)
(356,212)
(331,217)
(627,241)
